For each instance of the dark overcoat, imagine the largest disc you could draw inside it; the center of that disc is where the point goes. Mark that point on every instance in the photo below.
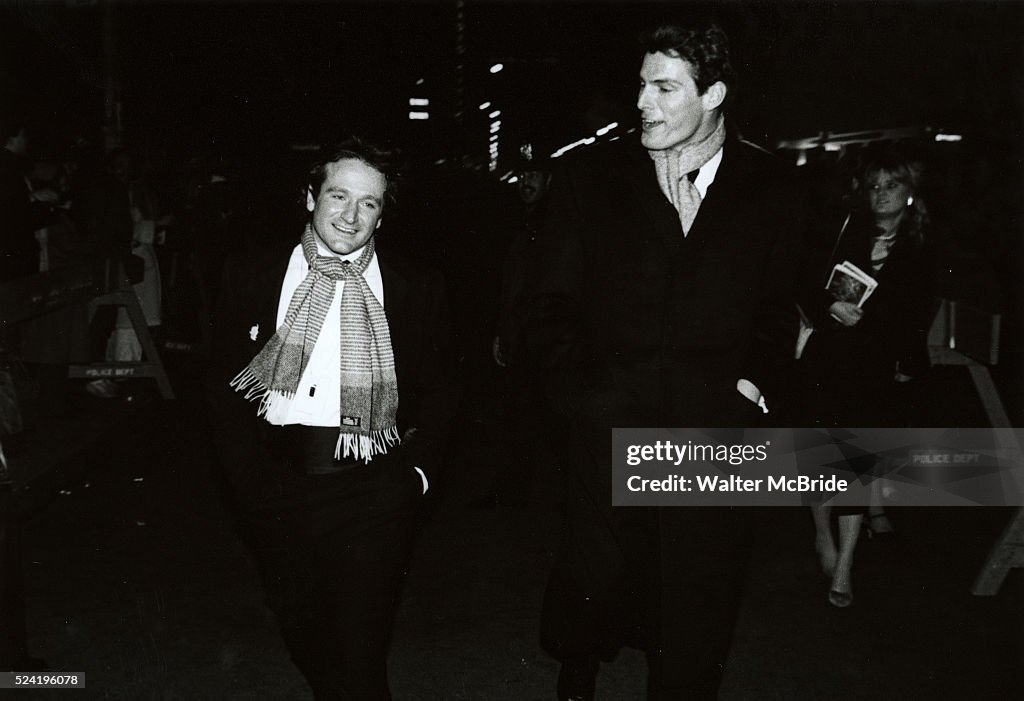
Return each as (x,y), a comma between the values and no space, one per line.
(633,324)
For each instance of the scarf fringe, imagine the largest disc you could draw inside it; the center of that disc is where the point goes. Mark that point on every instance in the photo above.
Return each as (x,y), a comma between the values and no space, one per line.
(364,447)
(254,388)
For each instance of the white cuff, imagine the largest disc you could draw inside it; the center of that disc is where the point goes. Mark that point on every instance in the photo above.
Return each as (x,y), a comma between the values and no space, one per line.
(749,390)
(423,477)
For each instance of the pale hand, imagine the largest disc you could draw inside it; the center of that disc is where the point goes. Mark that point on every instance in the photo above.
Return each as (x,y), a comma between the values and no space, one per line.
(846,313)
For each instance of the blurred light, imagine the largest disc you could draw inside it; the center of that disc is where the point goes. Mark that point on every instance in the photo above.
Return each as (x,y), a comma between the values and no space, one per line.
(418,102)
(948,137)
(419,115)
(833,147)
(494,137)
(484,105)
(419,81)
(496,68)
(801,160)
(495,113)
(607,128)
(570,147)
(513,179)
(495,128)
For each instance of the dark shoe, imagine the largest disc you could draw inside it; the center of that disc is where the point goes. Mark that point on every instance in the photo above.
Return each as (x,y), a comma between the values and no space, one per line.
(840,599)
(880,529)
(577,680)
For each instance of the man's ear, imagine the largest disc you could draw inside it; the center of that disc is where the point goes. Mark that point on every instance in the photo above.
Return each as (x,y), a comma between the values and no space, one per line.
(310,200)
(714,96)
(379,222)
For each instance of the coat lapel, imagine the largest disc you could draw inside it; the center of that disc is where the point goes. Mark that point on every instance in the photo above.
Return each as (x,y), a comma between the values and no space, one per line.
(401,320)
(266,292)
(662,215)
(716,211)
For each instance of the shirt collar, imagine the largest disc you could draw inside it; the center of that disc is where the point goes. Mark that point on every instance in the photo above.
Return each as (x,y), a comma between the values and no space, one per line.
(707,172)
(325,251)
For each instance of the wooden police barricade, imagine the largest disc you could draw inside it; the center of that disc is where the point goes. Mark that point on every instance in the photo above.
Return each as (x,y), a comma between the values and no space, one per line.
(121,294)
(970,338)
(100,282)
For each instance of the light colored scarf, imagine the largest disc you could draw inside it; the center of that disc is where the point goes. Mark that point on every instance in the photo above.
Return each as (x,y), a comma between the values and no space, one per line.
(672,166)
(369,386)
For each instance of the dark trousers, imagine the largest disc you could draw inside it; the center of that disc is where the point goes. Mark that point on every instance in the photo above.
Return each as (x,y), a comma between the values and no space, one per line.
(333,563)
(667,580)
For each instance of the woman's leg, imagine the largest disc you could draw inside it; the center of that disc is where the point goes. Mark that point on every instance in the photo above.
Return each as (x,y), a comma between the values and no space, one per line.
(841,594)
(824,543)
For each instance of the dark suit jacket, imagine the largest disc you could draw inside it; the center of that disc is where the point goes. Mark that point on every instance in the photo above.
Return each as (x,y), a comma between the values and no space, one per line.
(414,301)
(641,326)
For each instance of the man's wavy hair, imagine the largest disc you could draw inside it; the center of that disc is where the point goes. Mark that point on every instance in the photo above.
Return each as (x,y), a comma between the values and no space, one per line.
(383,159)
(706,48)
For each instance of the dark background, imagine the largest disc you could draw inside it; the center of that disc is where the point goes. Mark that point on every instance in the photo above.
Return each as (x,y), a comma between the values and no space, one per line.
(237,86)
(234,72)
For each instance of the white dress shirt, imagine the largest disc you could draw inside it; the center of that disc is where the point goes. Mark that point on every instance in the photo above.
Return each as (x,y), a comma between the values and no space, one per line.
(316,401)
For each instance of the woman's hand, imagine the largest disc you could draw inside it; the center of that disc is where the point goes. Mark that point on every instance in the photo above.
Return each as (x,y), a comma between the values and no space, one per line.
(846,313)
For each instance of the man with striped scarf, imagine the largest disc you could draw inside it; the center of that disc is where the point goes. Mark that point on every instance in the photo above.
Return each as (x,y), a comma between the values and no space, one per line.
(330,399)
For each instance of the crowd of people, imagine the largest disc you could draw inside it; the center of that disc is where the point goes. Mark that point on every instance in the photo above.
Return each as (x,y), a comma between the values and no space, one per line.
(663,280)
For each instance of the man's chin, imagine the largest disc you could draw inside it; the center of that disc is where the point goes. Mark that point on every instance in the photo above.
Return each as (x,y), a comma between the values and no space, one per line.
(651,143)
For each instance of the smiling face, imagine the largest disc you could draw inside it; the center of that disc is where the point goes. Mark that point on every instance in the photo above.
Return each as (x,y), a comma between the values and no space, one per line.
(672,111)
(347,210)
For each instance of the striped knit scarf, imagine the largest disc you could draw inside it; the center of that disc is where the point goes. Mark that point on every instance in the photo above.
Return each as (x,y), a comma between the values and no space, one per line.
(369,387)
(672,165)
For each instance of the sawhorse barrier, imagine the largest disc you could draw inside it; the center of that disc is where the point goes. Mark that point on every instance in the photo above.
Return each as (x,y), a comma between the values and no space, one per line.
(98,282)
(149,367)
(971,332)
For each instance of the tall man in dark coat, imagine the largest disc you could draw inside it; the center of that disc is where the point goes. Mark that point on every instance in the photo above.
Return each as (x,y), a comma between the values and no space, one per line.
(663,297)
(344,354)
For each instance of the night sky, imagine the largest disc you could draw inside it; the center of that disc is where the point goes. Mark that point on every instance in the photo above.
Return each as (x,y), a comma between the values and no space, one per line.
(233,71)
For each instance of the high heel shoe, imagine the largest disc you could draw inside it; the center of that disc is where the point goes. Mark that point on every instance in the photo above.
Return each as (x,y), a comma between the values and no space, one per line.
(840,599)
(885,533)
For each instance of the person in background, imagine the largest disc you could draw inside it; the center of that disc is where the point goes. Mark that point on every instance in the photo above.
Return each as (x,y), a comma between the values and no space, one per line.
(24,209)
(515,388)
(147,225)
(103,212)
(52,340)
(532,184)
(330,399)
(663,295)
(861,358)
